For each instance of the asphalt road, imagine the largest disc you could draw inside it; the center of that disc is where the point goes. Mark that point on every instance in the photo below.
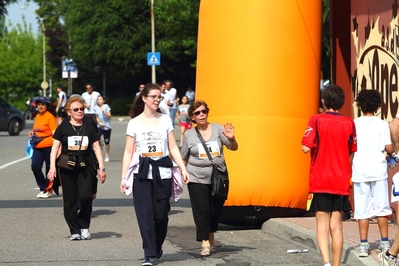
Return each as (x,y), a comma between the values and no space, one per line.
(34,232)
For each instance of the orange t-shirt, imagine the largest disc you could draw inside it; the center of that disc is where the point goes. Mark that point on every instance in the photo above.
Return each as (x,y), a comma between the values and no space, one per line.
(44,126)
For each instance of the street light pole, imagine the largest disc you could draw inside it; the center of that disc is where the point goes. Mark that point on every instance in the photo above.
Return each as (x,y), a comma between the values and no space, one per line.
(152,40)
(44,84)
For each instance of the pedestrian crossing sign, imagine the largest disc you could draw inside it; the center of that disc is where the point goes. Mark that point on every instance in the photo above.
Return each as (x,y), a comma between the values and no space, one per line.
(153,59)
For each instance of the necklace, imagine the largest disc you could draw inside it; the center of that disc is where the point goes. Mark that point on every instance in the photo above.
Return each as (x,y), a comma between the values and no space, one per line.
(77,132)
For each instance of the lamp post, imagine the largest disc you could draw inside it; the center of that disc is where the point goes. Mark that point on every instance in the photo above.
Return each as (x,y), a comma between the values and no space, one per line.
(152,40)
(44,84)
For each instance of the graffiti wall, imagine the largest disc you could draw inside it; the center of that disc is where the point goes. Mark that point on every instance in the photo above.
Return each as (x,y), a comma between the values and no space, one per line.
(375,51)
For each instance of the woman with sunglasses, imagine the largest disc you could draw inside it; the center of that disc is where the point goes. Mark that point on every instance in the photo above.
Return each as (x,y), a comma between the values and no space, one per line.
(150,140)
(206,209)
(77,139)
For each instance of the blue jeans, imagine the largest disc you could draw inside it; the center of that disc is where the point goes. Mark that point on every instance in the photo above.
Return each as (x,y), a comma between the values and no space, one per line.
(39,157)
(172,112)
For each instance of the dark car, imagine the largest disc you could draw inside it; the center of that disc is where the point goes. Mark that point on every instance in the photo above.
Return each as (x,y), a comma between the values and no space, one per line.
(32,111)
(11,119)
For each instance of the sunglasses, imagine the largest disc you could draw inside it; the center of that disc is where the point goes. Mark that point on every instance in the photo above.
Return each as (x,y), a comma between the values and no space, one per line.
(204,111)
(78,109)
(155,97)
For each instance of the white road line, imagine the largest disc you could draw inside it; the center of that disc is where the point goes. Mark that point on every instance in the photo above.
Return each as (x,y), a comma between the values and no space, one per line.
(13,162)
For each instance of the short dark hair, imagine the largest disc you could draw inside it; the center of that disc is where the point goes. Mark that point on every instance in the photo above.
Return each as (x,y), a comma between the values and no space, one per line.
(369,101)
(334,97)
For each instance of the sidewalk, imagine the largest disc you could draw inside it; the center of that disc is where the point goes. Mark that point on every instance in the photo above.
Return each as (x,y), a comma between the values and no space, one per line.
(303,229)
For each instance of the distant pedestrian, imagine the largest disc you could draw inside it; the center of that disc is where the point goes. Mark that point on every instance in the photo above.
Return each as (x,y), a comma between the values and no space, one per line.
(190,94)
(141,87)
(103,112)
(171,96)
(331,139)
(183,117)
(369,170)
(90,99)
(60,110)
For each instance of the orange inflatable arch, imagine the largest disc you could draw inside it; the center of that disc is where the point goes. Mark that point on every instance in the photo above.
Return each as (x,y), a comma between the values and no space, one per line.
(258,67)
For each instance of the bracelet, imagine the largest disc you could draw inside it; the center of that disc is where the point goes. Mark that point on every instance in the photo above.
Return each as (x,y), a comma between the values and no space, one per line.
(233,139)
(101,169)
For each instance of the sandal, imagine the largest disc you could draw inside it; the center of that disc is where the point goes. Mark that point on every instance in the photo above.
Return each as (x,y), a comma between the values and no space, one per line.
(205,251)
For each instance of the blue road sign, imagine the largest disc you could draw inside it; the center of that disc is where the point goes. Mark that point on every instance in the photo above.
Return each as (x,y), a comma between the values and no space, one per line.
(153,59)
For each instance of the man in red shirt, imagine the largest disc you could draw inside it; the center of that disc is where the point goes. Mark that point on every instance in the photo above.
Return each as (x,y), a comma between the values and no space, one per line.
(331,139)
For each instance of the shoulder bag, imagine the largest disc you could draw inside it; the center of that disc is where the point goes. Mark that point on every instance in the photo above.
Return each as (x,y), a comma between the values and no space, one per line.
(219,179)
(69,161)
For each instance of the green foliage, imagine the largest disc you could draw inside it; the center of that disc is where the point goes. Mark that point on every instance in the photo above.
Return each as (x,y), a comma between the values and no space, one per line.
(120,105)
(21,68)
(326,40)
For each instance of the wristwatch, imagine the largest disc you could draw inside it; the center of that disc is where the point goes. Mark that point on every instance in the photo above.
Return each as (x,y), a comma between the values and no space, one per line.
(101,169)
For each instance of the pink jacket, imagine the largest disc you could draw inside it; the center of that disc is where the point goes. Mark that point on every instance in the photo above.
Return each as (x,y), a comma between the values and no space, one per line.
(177,185)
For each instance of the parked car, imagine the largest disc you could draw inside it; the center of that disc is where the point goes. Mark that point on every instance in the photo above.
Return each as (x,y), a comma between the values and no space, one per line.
(32,111)
(11,119)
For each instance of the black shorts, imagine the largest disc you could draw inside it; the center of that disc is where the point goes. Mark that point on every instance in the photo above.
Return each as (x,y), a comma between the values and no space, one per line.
(329,203)
(61,112)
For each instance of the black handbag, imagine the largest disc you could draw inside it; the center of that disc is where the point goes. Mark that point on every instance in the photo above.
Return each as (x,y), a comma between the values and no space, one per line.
(219,179)
(68,161)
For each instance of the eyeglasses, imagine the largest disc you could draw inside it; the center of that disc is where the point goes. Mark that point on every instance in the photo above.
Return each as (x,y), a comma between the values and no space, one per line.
(156,97)
(204,111)
(78,109)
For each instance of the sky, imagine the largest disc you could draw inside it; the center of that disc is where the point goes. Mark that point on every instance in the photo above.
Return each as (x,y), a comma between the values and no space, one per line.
(15,14)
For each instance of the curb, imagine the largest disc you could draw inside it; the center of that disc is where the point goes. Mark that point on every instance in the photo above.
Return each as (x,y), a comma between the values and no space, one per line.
(296,233)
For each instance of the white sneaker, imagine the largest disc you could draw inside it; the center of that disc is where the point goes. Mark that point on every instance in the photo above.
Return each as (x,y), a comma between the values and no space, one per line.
(387,260)
(85,234)
(384,246)
(43,195)
(106,159)
(364,250)
(74,237)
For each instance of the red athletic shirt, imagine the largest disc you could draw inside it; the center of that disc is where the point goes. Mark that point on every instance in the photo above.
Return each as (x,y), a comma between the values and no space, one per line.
(331,138)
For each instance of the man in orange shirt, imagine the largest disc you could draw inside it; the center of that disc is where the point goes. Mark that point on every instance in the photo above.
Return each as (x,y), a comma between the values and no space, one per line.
(41,137)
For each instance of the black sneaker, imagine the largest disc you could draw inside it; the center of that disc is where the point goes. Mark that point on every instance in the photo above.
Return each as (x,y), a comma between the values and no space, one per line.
(148,261)
(159,254)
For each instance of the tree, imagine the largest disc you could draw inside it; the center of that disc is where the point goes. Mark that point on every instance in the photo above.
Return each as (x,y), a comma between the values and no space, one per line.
(3,6)
(21,63)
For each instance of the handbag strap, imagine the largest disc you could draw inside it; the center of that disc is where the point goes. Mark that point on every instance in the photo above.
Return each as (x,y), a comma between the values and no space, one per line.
(203,144)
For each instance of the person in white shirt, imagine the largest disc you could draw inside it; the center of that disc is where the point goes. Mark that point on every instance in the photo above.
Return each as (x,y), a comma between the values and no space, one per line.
(60,110)
(369,170)
(190,95)
(150,136)
(90,98)
(171,99)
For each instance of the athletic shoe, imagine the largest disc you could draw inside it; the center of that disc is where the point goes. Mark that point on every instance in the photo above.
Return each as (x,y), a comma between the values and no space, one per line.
(148,261)
(384,246)
(364,250)
(43,195)
(75,237)
(159,254)
(387,260)
(85,234)
(106,159)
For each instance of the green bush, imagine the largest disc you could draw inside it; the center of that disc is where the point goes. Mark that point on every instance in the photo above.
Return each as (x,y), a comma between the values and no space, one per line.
(120,105)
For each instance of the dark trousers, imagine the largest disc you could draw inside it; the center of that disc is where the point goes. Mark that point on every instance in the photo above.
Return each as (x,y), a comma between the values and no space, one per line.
(77,187)
(152,214)
(39,157)
(206,209)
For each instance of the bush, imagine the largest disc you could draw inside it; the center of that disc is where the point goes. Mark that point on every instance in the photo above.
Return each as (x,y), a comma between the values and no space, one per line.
(120,105)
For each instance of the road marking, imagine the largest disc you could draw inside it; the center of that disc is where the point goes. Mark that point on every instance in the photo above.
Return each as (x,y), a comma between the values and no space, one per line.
(13,162)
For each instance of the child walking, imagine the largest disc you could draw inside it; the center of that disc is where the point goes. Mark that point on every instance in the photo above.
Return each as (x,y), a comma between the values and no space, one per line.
(369,170)
(331,138)
(182,115)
